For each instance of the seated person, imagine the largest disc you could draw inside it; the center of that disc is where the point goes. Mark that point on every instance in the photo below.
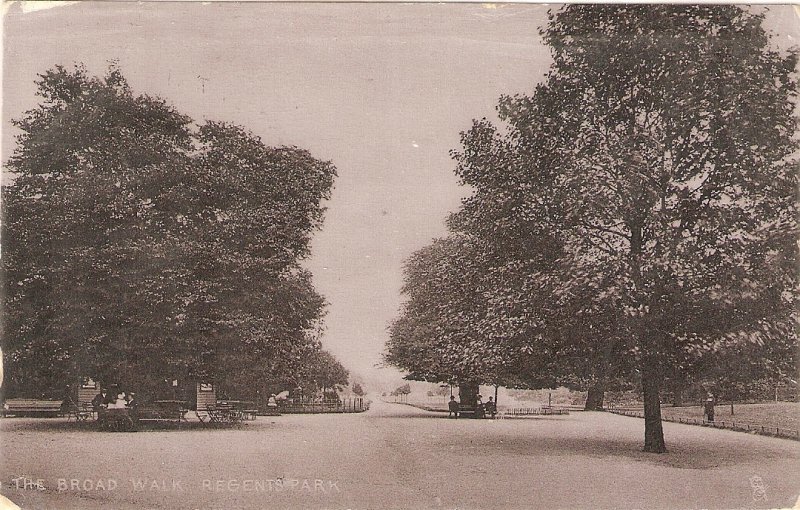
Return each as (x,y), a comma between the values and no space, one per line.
(120,402)
(452,406)
(131,400)
(132,403)
(491,408)
(100,400)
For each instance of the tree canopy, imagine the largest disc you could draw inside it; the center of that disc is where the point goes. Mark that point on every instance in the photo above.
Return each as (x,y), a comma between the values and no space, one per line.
(140,245)
(639,207)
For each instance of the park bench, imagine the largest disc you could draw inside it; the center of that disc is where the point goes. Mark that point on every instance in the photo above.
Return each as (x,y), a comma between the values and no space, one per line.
(466,410)
(31,407)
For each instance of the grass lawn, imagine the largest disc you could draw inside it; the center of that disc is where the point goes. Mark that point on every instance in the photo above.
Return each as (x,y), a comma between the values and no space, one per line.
(785,415)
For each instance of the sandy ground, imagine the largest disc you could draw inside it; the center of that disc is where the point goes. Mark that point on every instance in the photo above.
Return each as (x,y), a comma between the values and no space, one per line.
(396,456)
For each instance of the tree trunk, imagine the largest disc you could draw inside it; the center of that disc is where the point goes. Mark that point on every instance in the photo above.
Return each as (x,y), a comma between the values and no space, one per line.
(653,432)
(468,394)
(677,398)
(594,400)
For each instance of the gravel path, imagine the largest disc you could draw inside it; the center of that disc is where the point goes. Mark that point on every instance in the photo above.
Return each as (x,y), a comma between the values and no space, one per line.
(396,456)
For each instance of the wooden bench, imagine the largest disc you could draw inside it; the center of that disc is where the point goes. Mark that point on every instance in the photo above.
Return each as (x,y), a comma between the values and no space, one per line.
(466,410)
(31,407)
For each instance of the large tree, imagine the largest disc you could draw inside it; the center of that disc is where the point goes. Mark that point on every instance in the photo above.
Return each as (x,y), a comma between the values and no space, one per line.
(138,246)
(660,146)
(639,207)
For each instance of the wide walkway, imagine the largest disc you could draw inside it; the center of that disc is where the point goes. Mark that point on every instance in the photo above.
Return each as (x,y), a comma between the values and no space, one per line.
(395,456)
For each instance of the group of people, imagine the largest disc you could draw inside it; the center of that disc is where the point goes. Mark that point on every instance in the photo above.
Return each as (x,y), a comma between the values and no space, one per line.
(482,410)
(116,399)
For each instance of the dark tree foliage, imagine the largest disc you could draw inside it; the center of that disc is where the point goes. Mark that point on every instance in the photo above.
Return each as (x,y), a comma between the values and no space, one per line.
(636,215)
(138,246)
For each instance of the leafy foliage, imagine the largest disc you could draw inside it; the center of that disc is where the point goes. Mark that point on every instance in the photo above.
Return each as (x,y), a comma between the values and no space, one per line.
(635,217)
(139,246)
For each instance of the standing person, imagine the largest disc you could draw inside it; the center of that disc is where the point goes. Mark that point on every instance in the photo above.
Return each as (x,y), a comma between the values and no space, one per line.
(708,408)
(453,407)
(480,411)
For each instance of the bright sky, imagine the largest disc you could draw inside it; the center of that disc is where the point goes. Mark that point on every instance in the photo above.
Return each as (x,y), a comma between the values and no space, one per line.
(382,90)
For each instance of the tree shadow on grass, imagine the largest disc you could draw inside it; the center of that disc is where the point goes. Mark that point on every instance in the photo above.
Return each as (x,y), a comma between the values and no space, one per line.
(683,452)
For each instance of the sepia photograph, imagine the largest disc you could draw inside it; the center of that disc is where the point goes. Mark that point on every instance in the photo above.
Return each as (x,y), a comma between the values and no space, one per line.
(286,255)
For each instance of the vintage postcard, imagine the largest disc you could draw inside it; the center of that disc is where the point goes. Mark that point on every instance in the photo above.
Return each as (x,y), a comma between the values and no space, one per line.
(354,255)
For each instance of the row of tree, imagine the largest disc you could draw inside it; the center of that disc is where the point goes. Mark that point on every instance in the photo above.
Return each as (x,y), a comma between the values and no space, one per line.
(631,222)
(140,246)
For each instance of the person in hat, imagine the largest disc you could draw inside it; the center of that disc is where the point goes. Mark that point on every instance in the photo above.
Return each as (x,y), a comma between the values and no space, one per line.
(100,400)
(132,403)
(452,406)
(491,407)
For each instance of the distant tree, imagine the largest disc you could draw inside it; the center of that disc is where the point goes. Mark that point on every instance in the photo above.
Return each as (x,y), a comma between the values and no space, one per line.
(139,247)
(319,370)
(358,390)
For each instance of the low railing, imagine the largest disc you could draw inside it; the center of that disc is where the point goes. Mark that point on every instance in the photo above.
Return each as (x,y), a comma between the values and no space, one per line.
(726,424)
(350,405)
(532,411)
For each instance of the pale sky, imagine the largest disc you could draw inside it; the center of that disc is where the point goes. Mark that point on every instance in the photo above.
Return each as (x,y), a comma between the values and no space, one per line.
(382,90)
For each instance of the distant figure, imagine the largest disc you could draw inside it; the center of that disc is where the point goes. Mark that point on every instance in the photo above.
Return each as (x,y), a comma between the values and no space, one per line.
(273,401)
(491,408)
(480,410)
(708,408)
(100,400)
(132,403)
(453,407)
